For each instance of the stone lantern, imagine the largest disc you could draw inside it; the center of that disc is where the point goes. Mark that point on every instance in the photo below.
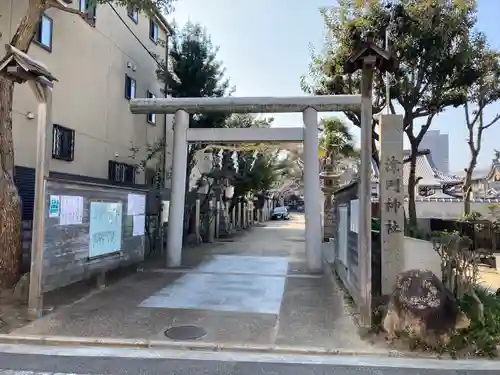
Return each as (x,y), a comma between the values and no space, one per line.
(330,180)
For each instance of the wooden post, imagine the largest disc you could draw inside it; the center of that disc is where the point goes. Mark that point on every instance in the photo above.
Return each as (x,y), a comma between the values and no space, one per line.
(101,280)
(239,215)
(44,134)
(217,219)
(245,217)
(365,209)
(211,230)
(227,219)
(233,217)
(197,219)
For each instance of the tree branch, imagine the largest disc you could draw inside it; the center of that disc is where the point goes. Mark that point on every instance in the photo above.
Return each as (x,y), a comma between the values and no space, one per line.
(495,119)
(478,113)
(391,106)
(424,128)
(421,113)
(467,116)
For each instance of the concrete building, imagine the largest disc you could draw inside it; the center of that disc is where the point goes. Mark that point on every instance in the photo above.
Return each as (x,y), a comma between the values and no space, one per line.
(101,61)
(438,144)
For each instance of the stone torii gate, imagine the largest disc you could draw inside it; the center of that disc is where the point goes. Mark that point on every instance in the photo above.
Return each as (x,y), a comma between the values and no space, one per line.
(308,105)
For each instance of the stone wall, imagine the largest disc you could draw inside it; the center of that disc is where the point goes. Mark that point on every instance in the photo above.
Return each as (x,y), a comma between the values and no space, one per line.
(66,249)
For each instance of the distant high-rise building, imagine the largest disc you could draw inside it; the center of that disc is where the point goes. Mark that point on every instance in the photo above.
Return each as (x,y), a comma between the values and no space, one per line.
(439,146)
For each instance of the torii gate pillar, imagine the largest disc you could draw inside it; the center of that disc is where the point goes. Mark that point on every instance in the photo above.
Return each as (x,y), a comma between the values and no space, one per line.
(175,228)
(312,191)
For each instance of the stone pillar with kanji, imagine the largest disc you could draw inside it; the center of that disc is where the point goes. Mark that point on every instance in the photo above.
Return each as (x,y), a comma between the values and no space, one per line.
(391,199)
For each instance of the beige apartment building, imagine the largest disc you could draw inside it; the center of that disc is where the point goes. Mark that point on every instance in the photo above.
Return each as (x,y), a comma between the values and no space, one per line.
(101,62)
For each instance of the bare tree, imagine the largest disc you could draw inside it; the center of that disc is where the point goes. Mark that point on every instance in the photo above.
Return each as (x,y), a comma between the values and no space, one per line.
(486,90)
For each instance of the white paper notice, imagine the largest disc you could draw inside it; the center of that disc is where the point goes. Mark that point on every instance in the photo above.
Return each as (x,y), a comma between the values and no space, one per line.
(354,215)
(136,204)
(139,225)
(71,210)
(165,211)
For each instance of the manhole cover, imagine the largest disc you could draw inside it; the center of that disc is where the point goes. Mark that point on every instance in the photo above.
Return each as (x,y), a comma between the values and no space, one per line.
(185,333)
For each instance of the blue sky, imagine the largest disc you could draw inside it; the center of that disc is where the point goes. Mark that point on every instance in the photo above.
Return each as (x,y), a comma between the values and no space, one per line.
(265,46)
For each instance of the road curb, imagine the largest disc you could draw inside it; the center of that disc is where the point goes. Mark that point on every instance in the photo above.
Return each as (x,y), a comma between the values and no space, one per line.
(190,346)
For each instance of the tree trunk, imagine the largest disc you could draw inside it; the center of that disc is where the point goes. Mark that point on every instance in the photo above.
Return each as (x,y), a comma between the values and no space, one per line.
(375,152)
(474,148)
(412,181)
(468,184)
(10,203)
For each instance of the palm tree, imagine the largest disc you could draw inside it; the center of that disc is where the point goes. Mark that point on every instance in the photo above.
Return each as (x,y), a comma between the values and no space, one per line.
(336,140)
(336,143)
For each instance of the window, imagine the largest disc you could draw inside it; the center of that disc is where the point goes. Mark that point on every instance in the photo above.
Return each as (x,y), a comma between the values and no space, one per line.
(153,31)
(133,13)
(151,116)
(43,36)
(121,172)
(130,86)
(63,143)
(89,8)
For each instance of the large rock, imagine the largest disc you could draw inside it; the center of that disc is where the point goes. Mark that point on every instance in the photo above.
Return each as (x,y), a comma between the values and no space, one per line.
(424,308)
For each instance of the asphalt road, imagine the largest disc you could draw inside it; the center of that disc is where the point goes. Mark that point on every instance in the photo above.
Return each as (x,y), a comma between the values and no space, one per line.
(28,360)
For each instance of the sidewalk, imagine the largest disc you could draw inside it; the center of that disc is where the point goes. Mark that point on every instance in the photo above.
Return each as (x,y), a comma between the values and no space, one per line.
(489,278)
(253,291)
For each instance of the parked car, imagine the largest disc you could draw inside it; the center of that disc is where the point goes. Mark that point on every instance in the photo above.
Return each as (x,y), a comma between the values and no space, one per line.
(280,213)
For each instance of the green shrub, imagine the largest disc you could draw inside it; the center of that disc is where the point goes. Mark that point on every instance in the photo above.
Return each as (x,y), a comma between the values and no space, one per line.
(482,338)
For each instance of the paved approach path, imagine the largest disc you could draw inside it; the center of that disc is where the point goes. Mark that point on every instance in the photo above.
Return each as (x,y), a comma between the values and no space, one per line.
(252,290)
